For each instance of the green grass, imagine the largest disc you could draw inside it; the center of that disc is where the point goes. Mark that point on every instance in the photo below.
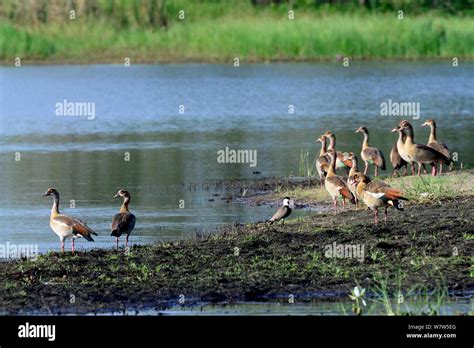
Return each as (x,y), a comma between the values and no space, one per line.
(427,188)
(307,165)
(251,38)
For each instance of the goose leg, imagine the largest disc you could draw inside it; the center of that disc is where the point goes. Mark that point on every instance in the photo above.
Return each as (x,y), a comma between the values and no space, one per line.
(72,245)
(405,172)
(440,167)
(412,166)
(366,168)
(117,242)
(433,169)
(419,169)
(385,215)
(126,242)
(376,171)
(424,169)
(376,216)
(62,245)
(343,203)
(334,202)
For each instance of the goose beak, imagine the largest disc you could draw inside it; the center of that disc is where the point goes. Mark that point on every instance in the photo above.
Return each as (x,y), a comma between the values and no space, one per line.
(394,130)
(115,196)
(424,124)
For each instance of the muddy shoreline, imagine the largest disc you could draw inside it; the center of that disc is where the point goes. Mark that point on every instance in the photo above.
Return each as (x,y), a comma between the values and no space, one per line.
(429,246)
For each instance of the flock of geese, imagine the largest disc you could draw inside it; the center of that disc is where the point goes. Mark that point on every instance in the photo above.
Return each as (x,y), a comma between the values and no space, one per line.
(357,186)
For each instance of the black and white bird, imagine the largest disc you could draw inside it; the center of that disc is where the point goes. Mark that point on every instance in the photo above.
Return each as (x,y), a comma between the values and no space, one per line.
(124,221)
(283,212)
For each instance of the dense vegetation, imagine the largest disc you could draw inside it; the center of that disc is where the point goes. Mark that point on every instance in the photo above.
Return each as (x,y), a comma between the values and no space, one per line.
(214,30)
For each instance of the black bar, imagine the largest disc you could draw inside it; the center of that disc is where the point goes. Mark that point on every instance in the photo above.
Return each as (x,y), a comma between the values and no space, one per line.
(370,330)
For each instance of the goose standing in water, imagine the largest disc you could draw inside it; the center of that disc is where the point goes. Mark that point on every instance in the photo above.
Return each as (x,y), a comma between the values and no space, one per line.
(66,226)
(370,154)
(283,212)
(124,221)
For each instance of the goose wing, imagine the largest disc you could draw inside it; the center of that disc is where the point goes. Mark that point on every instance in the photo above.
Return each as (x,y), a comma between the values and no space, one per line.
(384,192)
(375,156)
(78,226)
(432,154)
(440,147)
(122,223)
(341,187)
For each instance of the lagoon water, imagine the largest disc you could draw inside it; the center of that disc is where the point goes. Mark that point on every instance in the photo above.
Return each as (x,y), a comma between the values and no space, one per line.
(171,120)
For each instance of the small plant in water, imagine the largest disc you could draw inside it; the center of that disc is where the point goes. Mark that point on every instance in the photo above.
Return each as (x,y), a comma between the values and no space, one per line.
(357,295)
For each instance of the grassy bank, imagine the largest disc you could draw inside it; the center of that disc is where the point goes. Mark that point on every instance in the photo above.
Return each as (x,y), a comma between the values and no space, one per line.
(308,193)
(250,35)
(425,249)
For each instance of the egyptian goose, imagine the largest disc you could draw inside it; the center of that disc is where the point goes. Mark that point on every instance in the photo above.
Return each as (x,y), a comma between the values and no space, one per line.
(341,157)
(435,144)
(124,221)
(322,163)
(354,169)
(421,153)
(377,195)
(337,187)
(397,161)
(283,212)
(401,146)
(370,154)
(66,226)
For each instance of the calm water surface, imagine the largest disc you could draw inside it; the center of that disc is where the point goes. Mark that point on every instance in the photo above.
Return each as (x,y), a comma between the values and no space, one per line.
(137,112)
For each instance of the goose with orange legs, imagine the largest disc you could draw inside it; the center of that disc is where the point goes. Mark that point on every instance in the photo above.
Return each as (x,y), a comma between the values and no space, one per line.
(421,153)
(334,184)
(341,157)
(370,154)
(435,144)
(66,226)
(377,195)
